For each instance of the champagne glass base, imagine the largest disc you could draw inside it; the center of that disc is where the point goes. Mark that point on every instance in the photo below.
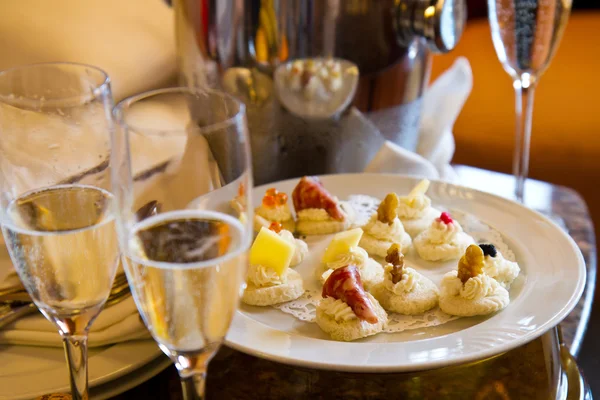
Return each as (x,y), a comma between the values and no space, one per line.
(557,219)
(538,198)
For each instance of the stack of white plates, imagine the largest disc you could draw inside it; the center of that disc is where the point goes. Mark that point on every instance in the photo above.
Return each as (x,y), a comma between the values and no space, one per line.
(27,371)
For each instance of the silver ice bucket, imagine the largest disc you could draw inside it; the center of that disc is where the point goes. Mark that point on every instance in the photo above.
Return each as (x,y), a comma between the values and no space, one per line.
(309,70)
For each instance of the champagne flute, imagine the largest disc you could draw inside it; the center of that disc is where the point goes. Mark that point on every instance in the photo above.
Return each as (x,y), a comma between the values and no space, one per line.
(526,34)
(56,209)
(185,154)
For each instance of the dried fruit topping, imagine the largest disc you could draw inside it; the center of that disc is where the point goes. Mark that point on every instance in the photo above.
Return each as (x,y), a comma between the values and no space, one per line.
(446,218)
(387,210)
(471,264)
(394,255)
(271,192)
(241,190)
(489,250)
(275,227)
(396,258)
(281,199)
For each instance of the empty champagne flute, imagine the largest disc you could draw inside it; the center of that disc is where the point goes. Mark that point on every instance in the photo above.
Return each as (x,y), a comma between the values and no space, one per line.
(184,153)
(526,34)
(56,208)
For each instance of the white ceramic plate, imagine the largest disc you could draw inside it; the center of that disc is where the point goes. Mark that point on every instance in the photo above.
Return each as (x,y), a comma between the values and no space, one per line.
(27,371)
(550,260)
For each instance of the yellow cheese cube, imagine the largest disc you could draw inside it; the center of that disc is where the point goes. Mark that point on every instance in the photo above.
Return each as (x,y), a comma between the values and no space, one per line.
(272,251)
(341,243)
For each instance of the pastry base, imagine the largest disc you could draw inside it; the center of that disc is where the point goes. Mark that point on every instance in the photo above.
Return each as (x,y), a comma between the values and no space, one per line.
(423,298)
(415,226)
(267,296)
(347,331)
(377,247)
(453,304)
(310,227)
(442,252)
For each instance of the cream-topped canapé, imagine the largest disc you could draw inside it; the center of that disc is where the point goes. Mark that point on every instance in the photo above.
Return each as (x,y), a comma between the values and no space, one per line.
(319,213)
(415,210)
(443,240)
(274,207)
(498,267)
(468,291)
(403,289)
(385,229)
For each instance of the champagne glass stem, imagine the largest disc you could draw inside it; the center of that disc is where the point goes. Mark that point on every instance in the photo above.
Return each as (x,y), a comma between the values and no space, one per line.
(193,386)
(192,371)
(76,354)
(524,91)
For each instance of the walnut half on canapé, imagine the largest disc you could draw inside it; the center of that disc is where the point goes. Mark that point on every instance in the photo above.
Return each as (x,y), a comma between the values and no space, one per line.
(471,263)
(396,259)
(388,209)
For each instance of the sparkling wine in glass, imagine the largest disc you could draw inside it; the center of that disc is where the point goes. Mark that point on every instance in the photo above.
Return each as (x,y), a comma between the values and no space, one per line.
(56,209)
(186,152)
(526,34)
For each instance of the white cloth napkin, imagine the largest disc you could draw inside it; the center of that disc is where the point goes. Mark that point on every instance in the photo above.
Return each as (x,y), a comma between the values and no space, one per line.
(118,323)
(442,103)
(115,324)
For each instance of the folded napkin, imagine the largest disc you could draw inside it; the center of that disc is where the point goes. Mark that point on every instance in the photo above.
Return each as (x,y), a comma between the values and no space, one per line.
(118,323)
(442,102)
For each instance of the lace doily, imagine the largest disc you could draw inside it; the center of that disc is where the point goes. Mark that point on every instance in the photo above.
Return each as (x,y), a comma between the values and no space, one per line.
(483,233)
(304,308)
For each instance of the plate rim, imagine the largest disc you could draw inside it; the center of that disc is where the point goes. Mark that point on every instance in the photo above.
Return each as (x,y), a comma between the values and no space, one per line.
(474,356)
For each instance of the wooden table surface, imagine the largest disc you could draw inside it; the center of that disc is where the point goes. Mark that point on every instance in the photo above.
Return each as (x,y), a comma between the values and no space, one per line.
(234,375)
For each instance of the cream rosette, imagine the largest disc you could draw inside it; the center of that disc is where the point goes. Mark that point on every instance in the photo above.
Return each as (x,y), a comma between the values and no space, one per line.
(498,267)
(443,240)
